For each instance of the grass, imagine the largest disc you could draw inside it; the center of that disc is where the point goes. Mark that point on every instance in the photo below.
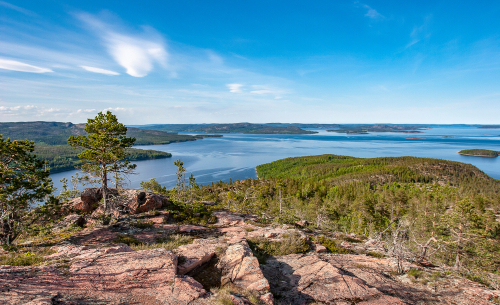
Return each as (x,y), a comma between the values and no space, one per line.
(223,295)
(25,258)
(168,243)
(375,254)
(142,224)
(129,240)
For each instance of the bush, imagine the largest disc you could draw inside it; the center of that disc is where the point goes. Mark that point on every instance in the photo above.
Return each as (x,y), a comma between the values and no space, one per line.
(168,243)
(142,224)
(29,258)
(129,240)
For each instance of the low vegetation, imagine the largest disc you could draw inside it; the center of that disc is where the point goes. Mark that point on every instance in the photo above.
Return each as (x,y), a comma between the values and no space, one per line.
(479,153)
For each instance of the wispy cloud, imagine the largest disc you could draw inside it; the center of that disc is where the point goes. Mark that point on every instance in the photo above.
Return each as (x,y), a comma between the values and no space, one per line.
(235,88)
(419,32)
(372,13)
(20,66)
(17,8)
(99,70)
(136,53)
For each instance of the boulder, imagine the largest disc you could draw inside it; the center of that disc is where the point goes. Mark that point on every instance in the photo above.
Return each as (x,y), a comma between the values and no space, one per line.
(225,218)
(141,202)
(91,195)
(240,266)
(73,219)
(79,205)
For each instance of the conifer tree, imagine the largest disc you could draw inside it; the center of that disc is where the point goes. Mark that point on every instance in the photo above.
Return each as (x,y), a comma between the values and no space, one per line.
(104,145)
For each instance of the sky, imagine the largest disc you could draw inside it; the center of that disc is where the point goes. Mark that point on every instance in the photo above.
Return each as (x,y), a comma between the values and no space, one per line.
(169,62)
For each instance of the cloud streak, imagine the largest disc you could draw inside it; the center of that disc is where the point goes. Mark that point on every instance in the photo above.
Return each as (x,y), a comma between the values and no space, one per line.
(99,70)
(235,88)
(20,66)
(136,53)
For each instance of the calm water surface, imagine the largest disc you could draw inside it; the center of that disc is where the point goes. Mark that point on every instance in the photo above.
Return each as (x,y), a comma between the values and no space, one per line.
(235,156)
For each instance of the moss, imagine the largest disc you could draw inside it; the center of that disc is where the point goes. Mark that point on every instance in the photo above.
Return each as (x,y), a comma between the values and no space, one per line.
(415,273)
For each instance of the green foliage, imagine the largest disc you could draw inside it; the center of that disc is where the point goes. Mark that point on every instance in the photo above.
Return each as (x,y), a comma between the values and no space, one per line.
(104,148)
(153,186)
(433,198)
(24,181)
(28,258)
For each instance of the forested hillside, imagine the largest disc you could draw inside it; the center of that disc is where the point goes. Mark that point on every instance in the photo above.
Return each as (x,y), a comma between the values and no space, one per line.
(450,205)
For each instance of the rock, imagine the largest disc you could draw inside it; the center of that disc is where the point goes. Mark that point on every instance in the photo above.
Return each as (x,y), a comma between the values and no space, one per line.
(319,248)
(237,300)
(242,268)
(85,207)
(267,298)
(73,219)
(91,195)
(42,301)
(301,279)
(346,245)
(194,255)
(302,223)
(191,228)
(225,218)
(209,203)
(144,202)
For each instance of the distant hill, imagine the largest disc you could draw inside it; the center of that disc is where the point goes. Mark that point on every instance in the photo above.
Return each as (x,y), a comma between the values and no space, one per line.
(57,133)
(51,139)
(249,128)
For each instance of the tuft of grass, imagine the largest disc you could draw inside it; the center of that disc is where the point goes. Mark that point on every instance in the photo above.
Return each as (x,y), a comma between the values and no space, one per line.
(416,273)
(248,229)
(375,254)
(223,295)
(129,240)
(28,258)
(142,224)
(168,243)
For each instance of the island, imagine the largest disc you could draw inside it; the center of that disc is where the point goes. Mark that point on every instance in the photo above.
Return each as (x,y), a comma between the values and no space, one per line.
(479,153)
(366,129)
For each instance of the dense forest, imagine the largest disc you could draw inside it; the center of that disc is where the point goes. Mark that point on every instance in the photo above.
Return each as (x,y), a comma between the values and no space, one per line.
(63,157)
(447,210)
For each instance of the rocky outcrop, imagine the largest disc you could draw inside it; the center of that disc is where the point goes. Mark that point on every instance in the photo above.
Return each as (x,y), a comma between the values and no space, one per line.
(241,268)
(301,279)
(71,220)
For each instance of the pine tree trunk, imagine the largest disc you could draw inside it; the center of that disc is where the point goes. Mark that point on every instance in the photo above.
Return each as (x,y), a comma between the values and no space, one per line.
(105,188)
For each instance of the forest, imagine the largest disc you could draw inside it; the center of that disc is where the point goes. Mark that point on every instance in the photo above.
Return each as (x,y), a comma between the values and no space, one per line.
(446,210)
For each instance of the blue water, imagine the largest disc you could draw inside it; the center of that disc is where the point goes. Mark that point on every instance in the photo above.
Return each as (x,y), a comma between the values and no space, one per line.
(235,156)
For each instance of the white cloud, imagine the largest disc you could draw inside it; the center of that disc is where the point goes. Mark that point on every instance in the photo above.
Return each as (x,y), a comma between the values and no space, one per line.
(136,53)
(235,88)
(99,70)
(372,13)
(20,66)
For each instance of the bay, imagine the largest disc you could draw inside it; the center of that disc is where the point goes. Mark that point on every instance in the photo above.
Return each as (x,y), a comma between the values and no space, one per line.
(235,156)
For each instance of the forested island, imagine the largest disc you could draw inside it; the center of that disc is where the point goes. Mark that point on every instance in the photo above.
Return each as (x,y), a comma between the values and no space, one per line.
(479,153)
(366,129)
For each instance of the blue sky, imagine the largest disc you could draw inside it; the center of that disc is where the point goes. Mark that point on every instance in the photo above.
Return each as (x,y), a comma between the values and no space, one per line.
(251,61)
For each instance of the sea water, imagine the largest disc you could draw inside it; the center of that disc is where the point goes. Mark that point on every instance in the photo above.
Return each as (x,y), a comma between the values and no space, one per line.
(235,156)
